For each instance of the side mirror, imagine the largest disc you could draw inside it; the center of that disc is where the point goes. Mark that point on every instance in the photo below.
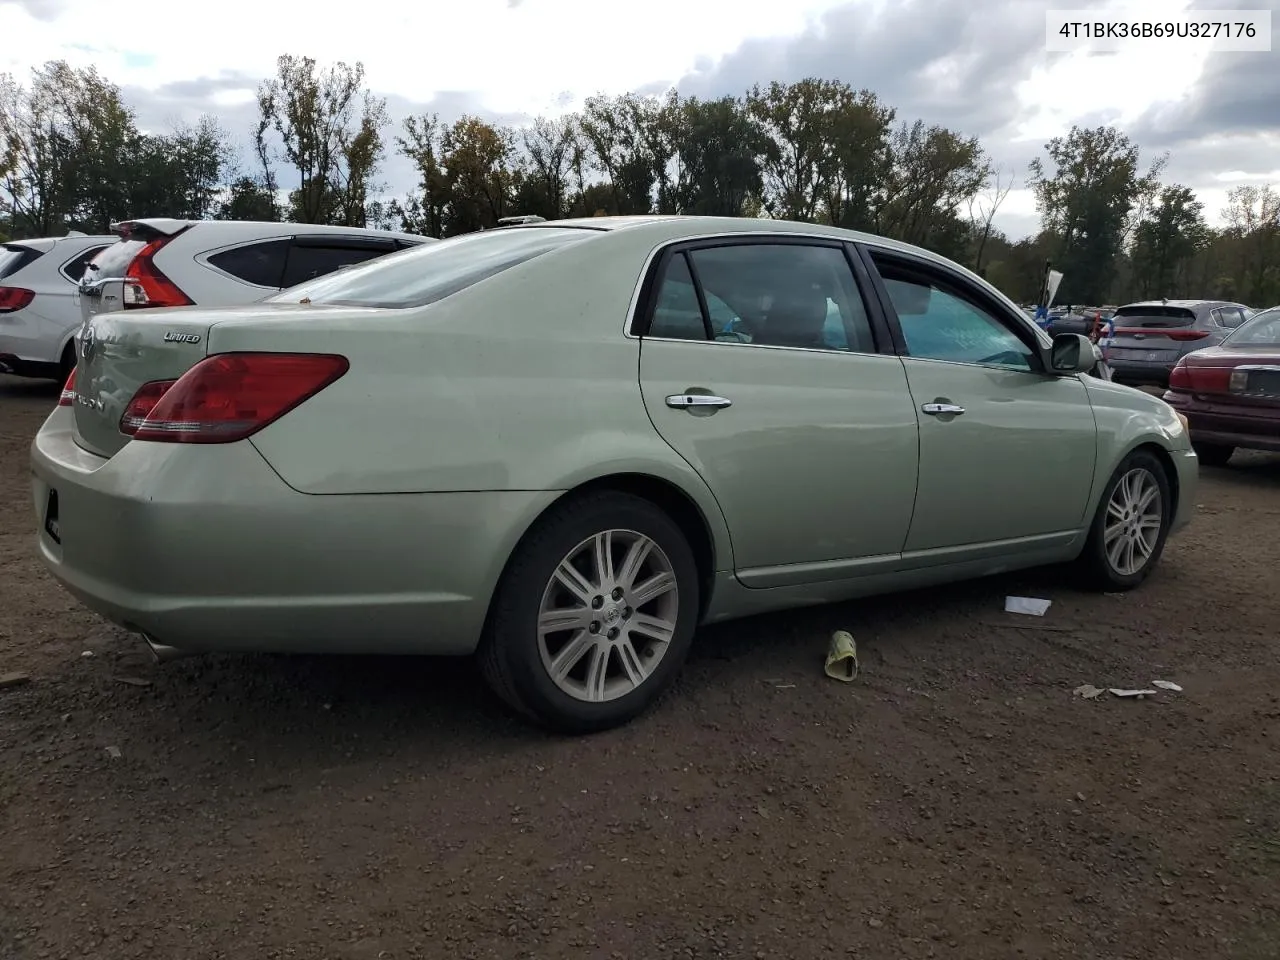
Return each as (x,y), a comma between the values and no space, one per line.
(1071,353)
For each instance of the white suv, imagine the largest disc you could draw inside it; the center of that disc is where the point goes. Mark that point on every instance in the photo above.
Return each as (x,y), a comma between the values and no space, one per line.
(177,263)
(38,311)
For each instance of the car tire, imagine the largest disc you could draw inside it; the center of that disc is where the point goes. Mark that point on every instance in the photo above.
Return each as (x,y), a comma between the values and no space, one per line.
(1123,521)
(1213,454)
(600,662)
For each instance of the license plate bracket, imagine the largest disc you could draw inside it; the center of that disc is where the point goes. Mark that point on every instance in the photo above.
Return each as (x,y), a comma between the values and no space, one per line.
(51,525)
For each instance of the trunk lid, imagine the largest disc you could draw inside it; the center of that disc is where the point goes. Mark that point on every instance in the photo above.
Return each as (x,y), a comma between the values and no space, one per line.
(1154,332)
(119,352)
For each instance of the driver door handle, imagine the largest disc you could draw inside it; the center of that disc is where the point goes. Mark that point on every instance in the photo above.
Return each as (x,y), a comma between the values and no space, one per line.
(684,401)
(933,409)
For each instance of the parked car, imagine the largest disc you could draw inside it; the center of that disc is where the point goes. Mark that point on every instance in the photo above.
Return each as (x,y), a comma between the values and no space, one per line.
(1151,337)
(539,444)
(1230,394)
(38,311)
(177,263)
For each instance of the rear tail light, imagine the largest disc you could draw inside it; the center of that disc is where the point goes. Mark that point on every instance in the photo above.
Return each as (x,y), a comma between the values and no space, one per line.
(68,395)
(1199,378)
(143,402)
(230,396)
(1182,336)
(15,298)
(146,286)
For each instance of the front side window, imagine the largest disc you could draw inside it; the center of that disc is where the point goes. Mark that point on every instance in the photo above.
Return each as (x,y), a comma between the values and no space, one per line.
(433,271)
(938,322)
(780,295)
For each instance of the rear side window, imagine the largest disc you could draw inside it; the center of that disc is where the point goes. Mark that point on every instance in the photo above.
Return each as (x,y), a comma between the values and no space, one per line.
(112,261)
(431,272)
(261,264)
(1155,316)
(74,268)
(309,261)
(14,258)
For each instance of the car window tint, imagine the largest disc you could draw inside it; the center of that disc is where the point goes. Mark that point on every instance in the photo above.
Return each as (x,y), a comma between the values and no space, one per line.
(433,271)
(1232,316)
(308,262)
(782,295)
(676,312)
(1262,329)
(261,264)
(74,268)
(13,259)
(939,324)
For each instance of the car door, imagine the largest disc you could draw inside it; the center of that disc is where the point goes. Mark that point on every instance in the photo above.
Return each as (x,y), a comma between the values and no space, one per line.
(759,366)
(1007,450)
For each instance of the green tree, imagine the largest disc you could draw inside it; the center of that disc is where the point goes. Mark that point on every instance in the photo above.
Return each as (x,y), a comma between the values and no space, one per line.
(549,148)
(63,140)
(1251,243)
(933,173)
(480,174)
(328,128)
(717,148)
(796,159)
(1166,242)
(860,158)
(1087,193)
(629,143)
(248,198)
(179,174)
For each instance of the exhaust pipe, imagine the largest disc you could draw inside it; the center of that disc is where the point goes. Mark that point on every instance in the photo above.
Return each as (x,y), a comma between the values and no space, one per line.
(164,653)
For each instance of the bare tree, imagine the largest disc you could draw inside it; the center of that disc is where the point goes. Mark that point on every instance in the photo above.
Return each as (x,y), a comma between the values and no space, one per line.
(983,209)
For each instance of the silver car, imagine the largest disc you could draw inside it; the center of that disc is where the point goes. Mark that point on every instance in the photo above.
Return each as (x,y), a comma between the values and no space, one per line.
(563,446)
(1151,337)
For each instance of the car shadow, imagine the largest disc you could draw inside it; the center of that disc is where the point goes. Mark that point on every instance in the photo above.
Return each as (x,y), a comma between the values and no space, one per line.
(1248,468)
(29,388)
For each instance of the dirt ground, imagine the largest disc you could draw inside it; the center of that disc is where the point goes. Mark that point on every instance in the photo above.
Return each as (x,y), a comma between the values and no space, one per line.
(955,801)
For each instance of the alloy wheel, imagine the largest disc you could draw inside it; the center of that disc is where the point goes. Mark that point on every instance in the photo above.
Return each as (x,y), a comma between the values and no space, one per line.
(1135,515)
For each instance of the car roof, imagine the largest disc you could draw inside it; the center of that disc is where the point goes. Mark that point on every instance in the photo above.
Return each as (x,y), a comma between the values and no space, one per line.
(45,244)
(673,227)
(170,225)
(1188,304)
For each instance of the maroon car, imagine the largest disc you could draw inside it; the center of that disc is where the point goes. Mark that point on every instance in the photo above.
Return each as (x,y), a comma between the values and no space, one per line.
(1230,394)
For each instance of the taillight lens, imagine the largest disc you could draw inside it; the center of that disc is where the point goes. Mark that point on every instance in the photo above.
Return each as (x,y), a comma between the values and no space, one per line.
(146,286)
(230,396)
(15,298)
(1180,377)
(143,402)
(68,395)
(1182,336)
(1200,378)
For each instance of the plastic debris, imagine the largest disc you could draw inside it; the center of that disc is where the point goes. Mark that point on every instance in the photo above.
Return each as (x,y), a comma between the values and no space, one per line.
(133,681)
(87,653)
(842,657)
(113,753)
(13,680)
(1166,685)
(1030,606)
(1088,691)
(1120,692)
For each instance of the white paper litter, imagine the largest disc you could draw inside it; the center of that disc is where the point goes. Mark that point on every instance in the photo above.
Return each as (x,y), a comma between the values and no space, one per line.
(1166,685)
(1031,606)
(1132,693)
(1088,691)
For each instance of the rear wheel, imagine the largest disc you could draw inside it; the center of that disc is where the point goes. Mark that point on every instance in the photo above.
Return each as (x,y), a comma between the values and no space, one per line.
(594,615)
(1129,530)
(1213,454)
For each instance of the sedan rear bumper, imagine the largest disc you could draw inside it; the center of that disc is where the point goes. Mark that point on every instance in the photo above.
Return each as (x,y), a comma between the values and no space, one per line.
(1246,427)
(1141,372)
(205,548)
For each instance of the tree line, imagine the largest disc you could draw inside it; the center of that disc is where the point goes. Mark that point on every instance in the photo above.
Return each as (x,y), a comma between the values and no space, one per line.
(73,157)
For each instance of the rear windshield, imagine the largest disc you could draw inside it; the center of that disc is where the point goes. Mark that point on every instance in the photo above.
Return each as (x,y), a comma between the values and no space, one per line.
(1260,330)
(425,274)
(1141,315)
(113,261)
(13,259)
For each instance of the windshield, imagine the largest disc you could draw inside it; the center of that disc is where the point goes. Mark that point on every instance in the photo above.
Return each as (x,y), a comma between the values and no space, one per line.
(1260,330)
(426,274)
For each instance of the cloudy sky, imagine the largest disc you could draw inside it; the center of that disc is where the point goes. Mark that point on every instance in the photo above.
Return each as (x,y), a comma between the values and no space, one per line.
(978,66)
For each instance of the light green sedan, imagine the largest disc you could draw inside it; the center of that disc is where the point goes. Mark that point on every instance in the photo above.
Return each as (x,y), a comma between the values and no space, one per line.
(563,446)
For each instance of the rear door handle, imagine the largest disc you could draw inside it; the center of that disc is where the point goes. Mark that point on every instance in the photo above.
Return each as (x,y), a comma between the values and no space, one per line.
(685,401)
(933,409)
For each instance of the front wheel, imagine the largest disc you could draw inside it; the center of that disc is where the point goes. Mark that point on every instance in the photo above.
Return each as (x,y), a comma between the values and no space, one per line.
(594,615)
(1129,530)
